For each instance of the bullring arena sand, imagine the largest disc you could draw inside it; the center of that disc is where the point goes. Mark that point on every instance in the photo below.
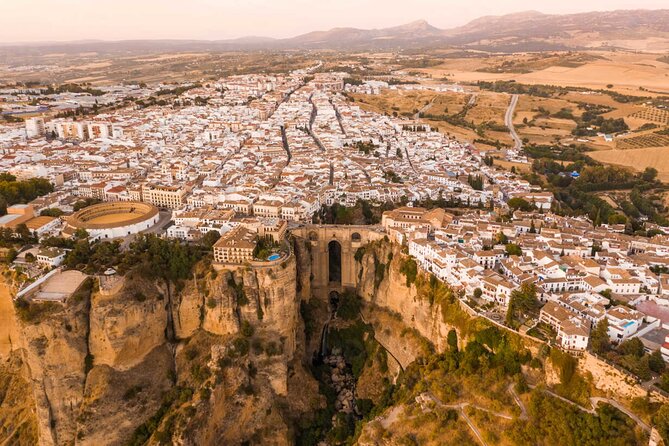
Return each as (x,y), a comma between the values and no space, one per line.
(113,218)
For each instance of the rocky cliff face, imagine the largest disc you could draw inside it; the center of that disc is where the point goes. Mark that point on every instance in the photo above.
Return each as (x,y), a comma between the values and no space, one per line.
(217,359)
(252,386)
(383,286)
(55,350)
(18,420)
(125,327)
(103,370)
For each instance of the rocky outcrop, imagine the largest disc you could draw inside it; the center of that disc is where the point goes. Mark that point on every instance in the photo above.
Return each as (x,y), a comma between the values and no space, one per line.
(18,422)
(102,364)
(115,400)
(388,290)
(9,328)
(126,326)
(253,388)
(302,252)
(188,305)
(392,333)
(55,352)
(343,383)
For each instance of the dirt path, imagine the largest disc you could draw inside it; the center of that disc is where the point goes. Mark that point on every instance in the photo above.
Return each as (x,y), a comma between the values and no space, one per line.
(594,401)
(460,407)
(519,402)
(392,417)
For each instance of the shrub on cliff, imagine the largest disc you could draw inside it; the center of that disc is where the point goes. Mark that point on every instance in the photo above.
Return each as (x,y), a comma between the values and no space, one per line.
(349,306)
(409,268)
(34,313)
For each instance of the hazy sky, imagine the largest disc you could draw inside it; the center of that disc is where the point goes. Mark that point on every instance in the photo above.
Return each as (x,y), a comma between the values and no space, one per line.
(39,20)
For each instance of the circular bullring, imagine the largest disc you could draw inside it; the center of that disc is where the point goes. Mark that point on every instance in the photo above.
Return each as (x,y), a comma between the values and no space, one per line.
(117,219)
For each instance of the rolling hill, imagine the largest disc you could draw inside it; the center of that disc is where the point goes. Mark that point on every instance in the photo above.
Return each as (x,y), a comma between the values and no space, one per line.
(524,31)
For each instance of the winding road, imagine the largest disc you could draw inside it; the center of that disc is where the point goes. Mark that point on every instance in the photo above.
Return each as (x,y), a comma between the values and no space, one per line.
(594,401)
(423,109)
(508,121)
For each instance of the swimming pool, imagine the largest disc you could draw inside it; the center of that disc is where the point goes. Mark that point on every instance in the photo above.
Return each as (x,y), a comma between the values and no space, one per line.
(274,257)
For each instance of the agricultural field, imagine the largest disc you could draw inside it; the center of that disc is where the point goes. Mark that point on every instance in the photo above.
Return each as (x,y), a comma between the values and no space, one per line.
(533,62)
(637,159)
(652,139)
(535,119)
(104,69)
(625,72)
(408,103)
(395,102)
(652,114)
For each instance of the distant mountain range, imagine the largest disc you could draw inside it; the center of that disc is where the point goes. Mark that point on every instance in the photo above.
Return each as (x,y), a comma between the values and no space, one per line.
(524,31)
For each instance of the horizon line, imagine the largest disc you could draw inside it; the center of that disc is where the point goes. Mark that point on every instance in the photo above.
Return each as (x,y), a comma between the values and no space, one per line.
(255,36)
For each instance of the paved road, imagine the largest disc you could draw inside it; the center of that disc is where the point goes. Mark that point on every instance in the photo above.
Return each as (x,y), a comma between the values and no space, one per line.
(164,218)
(508,121)
(338,116)
(284,141)
(425,108)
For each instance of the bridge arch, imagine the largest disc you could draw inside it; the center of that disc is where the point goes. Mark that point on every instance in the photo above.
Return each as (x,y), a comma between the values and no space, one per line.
(335,245)
(334,262)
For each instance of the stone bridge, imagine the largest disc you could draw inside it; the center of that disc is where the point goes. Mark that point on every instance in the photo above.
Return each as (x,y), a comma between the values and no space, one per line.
(333,249)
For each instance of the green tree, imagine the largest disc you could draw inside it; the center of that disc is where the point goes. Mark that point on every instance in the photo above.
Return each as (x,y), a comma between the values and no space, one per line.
(656,363)
(513,250)
(52,212)
(452,340)
(24,234)
(80,255)
(11,255)
(599,337)
(661,420)
(210,238)
(616,219)
(409,268)
(632,347)
(649,175)
(522,301)
(518,203)
(81,234)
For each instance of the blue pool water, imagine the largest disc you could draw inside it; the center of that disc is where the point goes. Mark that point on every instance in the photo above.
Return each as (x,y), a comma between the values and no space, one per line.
(274,257)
